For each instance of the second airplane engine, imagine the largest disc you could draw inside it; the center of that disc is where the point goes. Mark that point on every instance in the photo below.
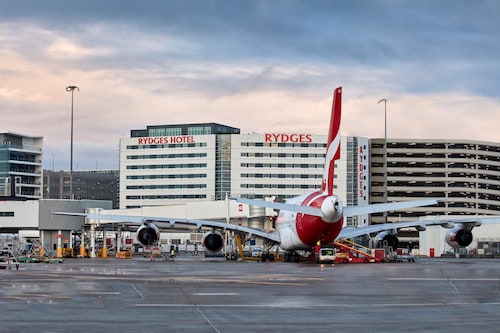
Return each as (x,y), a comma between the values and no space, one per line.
(458,237)
(385,238)
(212,241)
(148,234)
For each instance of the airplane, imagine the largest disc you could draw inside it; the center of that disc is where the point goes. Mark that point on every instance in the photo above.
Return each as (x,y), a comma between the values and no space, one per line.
(307,220)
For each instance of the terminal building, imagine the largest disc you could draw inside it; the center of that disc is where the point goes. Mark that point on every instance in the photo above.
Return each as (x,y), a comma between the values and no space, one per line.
(24,208)
(33,219)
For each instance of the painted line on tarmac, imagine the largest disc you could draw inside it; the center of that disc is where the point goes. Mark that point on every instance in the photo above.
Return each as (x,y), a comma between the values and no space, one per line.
(450,280)
(222,280)
(454,287)
(137,291)
(207,320)
(443,279)
(216,294)
(101,293)
(318,306)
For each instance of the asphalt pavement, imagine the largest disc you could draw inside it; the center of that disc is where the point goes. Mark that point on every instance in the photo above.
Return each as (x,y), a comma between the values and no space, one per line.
(194,294)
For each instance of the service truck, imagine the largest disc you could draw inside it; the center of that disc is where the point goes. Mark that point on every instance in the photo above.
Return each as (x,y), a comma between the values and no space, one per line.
(326,255)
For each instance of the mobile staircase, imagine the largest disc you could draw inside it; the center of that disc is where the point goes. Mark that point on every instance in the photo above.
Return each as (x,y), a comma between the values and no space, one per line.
(348,251)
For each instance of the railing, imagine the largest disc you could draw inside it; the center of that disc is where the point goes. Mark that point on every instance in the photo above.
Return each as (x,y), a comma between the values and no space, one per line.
(22,147)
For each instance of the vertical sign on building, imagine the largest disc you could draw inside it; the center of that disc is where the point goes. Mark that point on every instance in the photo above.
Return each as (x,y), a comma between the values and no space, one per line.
(363,177)
(363,171)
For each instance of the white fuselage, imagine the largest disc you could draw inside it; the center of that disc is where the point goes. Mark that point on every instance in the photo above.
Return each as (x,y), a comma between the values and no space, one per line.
(286,226)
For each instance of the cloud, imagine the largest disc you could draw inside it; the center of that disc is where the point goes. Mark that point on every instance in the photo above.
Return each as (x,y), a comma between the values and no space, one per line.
(63,49)
(432,116)
(257,65)
(7,93)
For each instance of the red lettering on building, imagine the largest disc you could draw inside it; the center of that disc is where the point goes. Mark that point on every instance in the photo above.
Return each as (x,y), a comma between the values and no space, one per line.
(159,140)
(284,138)
(361,172)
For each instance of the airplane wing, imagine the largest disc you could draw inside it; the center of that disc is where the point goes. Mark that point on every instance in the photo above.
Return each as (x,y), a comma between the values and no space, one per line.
(386,207)
(475,221)
(166,222)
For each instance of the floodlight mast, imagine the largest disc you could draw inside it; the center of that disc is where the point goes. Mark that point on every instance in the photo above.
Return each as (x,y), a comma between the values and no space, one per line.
(71,195)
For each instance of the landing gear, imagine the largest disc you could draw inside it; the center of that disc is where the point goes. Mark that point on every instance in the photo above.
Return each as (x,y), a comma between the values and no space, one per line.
(266,256)
(292,256)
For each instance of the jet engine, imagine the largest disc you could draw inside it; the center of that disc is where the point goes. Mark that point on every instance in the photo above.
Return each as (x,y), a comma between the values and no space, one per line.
(458,237)
(148,234)
(386,238)
(212,241)
(332,209)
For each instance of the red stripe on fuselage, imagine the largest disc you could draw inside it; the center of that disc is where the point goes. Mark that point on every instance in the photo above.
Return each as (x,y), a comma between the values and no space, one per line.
(310,228)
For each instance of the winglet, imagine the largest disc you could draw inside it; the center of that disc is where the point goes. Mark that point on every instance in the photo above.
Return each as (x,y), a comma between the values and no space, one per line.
(333,144)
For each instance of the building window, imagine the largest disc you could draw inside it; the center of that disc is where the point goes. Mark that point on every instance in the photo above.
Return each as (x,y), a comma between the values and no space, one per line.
(199,130)
(157,132)
(6,214)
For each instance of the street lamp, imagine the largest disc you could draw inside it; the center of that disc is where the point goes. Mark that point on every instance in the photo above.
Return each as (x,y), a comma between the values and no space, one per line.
(72,89)
(385,153)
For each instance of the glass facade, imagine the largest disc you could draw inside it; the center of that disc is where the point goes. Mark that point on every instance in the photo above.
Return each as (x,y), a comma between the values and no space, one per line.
(222,166)
(21,162)
(199,130)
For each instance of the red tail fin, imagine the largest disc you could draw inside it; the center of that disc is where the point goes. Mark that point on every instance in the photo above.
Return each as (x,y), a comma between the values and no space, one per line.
(333,144)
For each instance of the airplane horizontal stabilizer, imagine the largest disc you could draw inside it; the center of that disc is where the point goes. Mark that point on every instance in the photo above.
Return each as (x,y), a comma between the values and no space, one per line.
(282,206)
(386,207)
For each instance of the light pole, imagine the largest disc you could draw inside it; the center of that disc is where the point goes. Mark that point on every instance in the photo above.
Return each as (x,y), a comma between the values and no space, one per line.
(385,153)
(72,89)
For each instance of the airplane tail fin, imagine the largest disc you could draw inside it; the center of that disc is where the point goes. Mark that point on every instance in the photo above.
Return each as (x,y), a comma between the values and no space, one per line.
(333,144)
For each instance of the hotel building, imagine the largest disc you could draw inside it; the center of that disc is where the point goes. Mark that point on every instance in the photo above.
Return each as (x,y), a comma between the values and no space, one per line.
(163,165)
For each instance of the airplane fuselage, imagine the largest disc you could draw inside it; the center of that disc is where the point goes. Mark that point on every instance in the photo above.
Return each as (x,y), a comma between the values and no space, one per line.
(301,231)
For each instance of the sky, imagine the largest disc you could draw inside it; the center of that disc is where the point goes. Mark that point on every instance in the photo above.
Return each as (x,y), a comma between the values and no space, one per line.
(259,65)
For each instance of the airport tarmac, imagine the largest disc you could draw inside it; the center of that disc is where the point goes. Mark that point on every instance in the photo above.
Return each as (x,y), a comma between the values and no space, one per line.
(194,294)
